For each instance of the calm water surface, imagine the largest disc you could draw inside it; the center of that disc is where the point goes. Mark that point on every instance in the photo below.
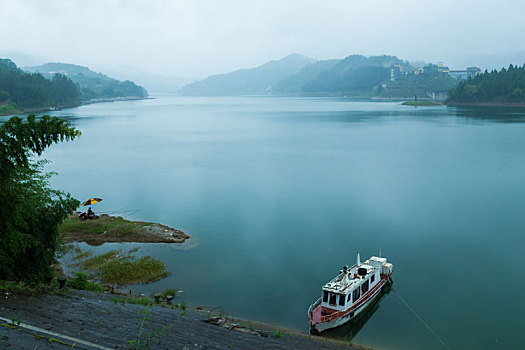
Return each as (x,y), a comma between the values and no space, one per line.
(278,194)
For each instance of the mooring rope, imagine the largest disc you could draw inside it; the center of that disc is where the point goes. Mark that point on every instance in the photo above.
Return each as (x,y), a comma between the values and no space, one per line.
(420,319)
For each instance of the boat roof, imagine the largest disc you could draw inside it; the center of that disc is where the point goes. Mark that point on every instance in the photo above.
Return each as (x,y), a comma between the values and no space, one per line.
(348,279)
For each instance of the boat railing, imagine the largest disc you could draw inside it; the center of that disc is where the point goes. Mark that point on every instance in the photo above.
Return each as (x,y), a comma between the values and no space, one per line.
(312,307)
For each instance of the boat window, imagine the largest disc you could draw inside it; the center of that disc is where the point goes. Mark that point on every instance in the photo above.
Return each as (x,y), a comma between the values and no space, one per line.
(349,295)
(364,286)
(356,294)
(332,298)
(373,278)
(325,296)
(342,300)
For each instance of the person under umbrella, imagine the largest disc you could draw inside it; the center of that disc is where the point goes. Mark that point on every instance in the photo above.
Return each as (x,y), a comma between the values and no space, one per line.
(90,214)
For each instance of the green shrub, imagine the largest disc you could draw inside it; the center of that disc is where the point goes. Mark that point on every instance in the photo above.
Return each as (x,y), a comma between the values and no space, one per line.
(81,282)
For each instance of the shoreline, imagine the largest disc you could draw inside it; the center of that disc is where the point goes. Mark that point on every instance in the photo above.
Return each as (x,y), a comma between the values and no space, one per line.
(81,103)
(115,99)
(113,321)
(39,109)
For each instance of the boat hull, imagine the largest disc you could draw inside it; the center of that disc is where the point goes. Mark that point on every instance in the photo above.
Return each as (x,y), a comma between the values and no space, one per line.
(317,328)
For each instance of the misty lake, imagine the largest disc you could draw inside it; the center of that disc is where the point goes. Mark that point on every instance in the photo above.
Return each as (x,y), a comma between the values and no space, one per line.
(278,194)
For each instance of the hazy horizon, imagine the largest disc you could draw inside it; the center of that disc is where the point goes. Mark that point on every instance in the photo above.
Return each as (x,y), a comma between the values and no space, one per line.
(199,38)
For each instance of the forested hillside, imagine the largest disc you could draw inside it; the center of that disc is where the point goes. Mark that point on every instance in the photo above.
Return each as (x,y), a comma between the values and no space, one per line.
(293,84)
(505,86)
(20,90)
(354,74)
(92,85)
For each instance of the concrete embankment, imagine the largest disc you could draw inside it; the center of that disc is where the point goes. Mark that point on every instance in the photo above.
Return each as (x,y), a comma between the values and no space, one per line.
(101,321)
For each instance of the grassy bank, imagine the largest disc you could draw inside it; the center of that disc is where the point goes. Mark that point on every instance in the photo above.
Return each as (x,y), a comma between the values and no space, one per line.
(116,229)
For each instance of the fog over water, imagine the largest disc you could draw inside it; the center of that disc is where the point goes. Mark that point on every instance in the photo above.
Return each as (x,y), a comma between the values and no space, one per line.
(198,38)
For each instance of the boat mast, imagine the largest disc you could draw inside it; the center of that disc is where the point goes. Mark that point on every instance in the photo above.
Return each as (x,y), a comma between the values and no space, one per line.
(358,260)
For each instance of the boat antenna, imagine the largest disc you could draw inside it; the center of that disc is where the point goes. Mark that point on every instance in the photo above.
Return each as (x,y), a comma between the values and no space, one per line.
(379,252)
(358,260)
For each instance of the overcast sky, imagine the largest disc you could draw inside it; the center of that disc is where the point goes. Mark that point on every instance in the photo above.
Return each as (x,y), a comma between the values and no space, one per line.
(196,38)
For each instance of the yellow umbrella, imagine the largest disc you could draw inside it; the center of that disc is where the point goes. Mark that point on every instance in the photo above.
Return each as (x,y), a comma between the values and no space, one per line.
(91,201)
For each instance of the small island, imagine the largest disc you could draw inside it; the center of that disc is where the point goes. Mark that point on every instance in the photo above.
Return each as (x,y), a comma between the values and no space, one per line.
(422,103)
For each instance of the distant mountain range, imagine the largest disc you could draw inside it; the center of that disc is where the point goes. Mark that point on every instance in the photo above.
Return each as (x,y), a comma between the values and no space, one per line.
(92,85)
(255,81)
(154,83)
(300,75)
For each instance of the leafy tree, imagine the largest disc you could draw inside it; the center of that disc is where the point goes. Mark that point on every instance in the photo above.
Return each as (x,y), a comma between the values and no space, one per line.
(30,210)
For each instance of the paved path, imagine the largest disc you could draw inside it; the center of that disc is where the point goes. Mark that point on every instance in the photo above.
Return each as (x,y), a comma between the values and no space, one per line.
(96,321)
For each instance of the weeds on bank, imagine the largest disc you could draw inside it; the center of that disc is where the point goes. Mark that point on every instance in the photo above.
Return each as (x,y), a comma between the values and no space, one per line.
(80,281)
(8,325)
(277,334)
(146,337)
(20,287)
(58,341)
(145,301)
(170,291)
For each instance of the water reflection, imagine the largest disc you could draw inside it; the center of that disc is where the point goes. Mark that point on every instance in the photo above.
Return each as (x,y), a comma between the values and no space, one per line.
(439,115)
(349,330)
(484,114)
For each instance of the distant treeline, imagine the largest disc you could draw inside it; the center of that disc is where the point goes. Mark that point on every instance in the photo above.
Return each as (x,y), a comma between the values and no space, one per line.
(20,90)
(505,86)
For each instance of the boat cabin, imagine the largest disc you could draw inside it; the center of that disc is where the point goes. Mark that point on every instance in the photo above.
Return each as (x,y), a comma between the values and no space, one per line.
(346,289)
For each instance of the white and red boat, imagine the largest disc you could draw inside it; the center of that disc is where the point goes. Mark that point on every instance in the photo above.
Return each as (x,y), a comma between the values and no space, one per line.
(349,294)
